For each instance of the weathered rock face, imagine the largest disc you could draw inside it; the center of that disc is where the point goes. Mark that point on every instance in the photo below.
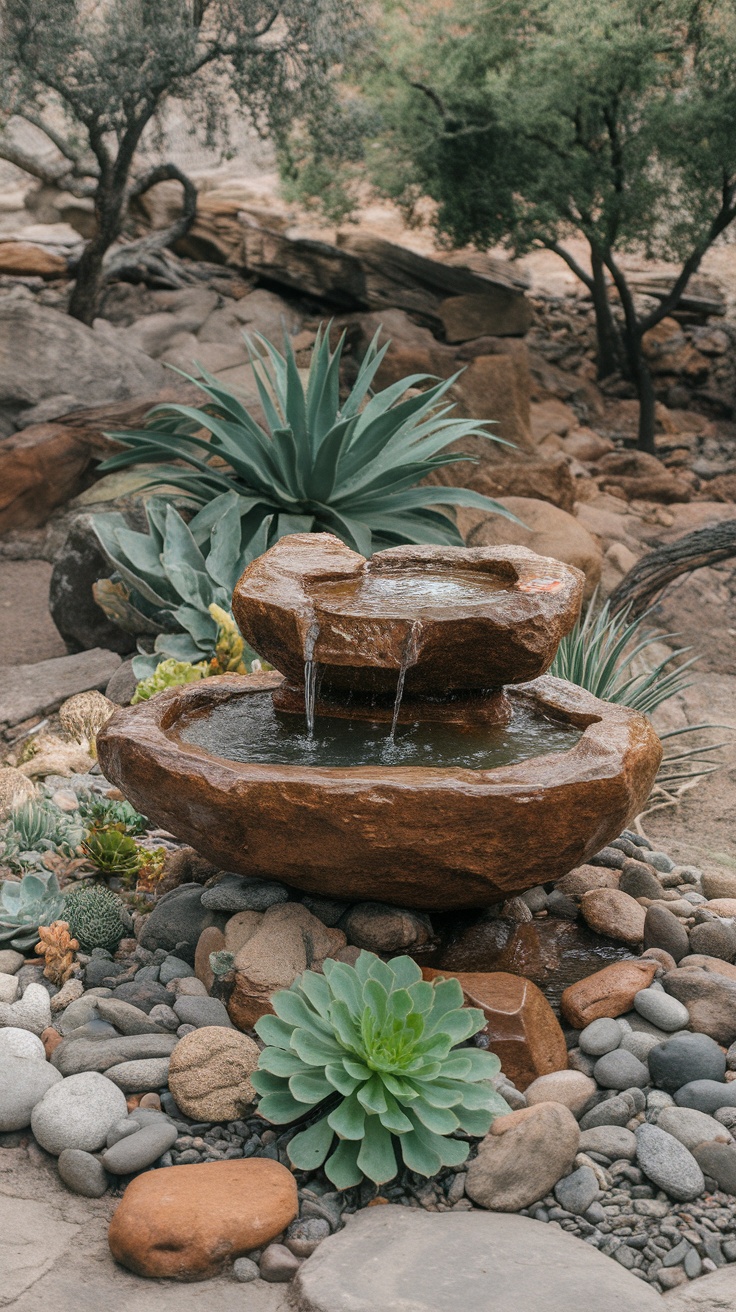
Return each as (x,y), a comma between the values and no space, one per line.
(521,1026)
(418,837)
(609,992)
(310,595)
(189,1222)
(288,940)
(543,528)
(209,1073)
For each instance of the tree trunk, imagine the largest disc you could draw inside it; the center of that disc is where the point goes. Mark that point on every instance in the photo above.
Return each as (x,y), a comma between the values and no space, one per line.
(606,331)
(642,380)
(87,290)
(650,575)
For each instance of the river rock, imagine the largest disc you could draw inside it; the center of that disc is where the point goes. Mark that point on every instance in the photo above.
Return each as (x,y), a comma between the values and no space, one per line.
(535,1268)
(616,1111)
(384,929)
(713,938)
(584,878)
(692,1127)
(576,1192)
(641,1044)
(712,965)
(706,1095)
(82,1172)
(522,1028)
(620,1070)
(710,1000)
(684,1058)
(718,1160)
(288,941)
(210,940)
(9,987)
(202,1012)
(719,883)
(571,1088)
(238,930)
(613,1141)
(75,1055)
(179,918)
(523,1156)
(609,992)
(234,893)
(611,912)
(23,1083)
(77,1113)
(209,1074)
(639,880)
(174,969)
(31,1012)
(600,1037)
(79,1012)
(662,1010)
(135,1152)
(668,1164)
(145,994)
(20,1043)
(190,1222)
(139,1076)
(126,1018)
(662,929)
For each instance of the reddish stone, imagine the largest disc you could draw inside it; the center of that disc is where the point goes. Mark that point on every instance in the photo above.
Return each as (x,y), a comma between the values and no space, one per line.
(521,1026)
(50,1039)
(190,1222)
(610,992)
(210,940)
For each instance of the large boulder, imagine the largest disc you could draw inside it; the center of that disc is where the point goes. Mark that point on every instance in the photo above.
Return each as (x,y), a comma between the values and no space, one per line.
(523,1156)
(287,941)
(543,528)
(46,354)
(497,388)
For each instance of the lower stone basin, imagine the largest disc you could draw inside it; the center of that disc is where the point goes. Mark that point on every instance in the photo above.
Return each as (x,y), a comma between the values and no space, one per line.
(435,837)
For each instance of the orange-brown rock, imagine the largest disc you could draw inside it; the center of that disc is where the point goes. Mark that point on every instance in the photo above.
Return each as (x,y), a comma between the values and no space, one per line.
(210,940)
(609,911)
(27,258)
(288,941)
(547,480)
(543,528)
(190,1222)
(696,961)
(311,595)
(609,992)
(583,878)
(521,1026)
(50,1039)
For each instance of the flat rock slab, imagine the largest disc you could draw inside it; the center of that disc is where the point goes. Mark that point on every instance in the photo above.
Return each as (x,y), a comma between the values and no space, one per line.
(27,690)
(712,1293)
(390,1257)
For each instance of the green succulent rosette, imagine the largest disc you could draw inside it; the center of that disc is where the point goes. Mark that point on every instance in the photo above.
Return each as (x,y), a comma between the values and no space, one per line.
(376,1046)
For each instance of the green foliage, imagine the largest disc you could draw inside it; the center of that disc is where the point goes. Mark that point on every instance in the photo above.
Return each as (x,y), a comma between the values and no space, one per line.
(168,674)
(602,653)
(35,827)
(34,900)
(381,1042)
(100,812)
(95,918)
(347,468)
(113,853)
(176,573)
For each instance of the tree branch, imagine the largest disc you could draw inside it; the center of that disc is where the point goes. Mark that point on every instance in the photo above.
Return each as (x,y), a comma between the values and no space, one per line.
(62,145)
(571,262)
(137,254)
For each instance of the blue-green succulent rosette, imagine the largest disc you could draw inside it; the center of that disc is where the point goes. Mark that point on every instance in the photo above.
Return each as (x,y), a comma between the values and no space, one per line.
(377,1048)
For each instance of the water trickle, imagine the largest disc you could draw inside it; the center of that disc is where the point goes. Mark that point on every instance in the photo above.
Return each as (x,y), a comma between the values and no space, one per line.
(408,658)
(310,676)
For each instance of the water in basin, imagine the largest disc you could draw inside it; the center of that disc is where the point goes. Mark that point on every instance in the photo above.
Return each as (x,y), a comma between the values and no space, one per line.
(247,728)
(409,594)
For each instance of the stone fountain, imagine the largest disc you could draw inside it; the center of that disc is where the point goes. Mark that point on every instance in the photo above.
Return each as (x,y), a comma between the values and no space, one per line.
(411,748)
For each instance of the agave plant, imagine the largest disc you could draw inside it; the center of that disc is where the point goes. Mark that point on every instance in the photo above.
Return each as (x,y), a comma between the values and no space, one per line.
(113,852)
(372,1049)
(34,900)
(35,828)
(177,580)
(351,469)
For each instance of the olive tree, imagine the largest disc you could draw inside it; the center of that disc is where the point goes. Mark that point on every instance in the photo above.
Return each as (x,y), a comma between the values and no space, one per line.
(530,122)
(94,78)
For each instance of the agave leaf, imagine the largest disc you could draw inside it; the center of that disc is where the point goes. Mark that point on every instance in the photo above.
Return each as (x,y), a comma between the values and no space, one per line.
(372,1095)
(420,1151)
(441,1120)
(278,1062)
(479,1121)
(309,1149)
(340,1079)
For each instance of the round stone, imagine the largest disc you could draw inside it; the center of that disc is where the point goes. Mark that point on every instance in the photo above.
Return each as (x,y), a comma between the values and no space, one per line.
(668,1164)
(78,1113)
(707,1096)
(82,1173)
(661,861)
(577,1191)
(23,1083)
(692,1127)
(713,938)
(303,1237)
(244,1270)
(571,1088)
(209,1073)
(523,1157)
(613,1141)
(139,1076)
(662,929)
(621,1070)
(640,1044)
(686,1058)
(600,1037)
(31,1012)
(662,1010)
(20,1043)
(174,968)
(134,1152)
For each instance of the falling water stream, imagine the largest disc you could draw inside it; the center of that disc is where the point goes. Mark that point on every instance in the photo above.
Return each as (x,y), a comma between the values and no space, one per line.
(310,676)
(409,655)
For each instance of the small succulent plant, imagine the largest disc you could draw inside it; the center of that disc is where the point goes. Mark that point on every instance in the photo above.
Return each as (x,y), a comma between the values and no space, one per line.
(36,827)
(168,674)
(104,813)
(113,853)
(151,869)
(95,917)
(375,1047)
(34,900)
(59,951)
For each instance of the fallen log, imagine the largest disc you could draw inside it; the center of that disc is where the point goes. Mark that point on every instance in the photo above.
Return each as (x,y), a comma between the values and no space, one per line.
(652,574)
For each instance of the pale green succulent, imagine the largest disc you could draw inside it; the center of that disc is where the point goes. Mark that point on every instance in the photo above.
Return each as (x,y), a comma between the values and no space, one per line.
(34,900)
(381,1041)
(36,827)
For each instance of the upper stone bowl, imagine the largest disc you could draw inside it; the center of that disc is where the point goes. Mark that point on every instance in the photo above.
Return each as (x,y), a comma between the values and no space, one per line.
(450,618)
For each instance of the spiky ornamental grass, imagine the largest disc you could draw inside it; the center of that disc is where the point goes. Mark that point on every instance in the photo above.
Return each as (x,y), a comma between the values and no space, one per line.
(381,1043)
(349,469)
